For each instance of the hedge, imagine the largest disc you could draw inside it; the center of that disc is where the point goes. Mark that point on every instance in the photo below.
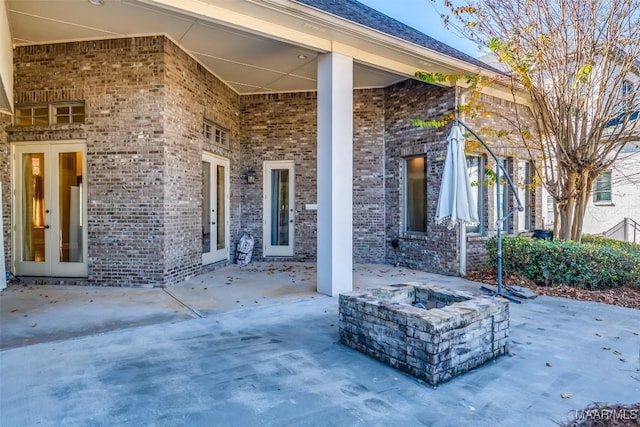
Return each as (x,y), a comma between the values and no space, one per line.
(597,263)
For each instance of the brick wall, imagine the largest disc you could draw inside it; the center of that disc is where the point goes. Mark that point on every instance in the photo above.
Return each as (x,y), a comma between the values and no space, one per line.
(145,100)
(280,127)
(284,127)
(5,173)
(122,84)
(192,93)
(368,176)
(436,250)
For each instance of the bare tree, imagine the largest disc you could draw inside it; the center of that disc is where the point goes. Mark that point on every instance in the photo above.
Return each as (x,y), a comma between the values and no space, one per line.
(579,61)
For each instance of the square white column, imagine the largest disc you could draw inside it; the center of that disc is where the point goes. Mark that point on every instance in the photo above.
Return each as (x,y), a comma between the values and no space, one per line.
(335,174)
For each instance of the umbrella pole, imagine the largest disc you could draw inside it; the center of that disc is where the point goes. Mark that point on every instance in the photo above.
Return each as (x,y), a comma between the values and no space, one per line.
(499,230)
(500,220)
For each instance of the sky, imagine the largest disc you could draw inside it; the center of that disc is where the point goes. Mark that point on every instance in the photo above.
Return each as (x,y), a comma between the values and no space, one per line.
(421,15)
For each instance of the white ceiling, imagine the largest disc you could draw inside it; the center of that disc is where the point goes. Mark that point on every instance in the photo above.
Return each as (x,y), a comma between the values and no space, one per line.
(245,60)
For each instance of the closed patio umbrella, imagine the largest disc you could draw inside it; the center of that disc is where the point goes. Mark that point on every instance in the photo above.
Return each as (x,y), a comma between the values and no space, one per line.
(456,204)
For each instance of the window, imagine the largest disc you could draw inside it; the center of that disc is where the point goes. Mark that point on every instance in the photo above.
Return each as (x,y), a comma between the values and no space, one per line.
(475,169)
(627,95)
(415,195)
(602,188)
(32,116)
(214,134)
(502,209)
(68,113)
(44,115)
(524,193)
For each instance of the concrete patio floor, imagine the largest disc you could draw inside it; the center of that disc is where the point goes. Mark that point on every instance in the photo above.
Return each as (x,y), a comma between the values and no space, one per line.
(255,345)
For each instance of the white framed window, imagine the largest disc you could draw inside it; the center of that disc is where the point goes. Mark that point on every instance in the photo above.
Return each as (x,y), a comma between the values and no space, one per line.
(215,134)
(602,188)
(475,169)
(415,195)
(524,193)
(502,209)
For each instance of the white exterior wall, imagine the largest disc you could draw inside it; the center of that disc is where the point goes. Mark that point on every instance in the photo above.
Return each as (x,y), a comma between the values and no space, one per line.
(625,199)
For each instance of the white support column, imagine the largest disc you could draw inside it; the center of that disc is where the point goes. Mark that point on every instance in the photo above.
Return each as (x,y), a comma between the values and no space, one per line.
(335,174)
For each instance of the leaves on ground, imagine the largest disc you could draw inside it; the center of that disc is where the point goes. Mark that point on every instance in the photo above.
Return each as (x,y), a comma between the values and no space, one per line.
(624,297)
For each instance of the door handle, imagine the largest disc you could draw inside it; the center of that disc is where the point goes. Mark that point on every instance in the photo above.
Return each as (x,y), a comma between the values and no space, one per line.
(46,226)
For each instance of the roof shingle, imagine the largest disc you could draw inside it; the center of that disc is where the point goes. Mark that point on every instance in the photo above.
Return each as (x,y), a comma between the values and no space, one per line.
(362,14)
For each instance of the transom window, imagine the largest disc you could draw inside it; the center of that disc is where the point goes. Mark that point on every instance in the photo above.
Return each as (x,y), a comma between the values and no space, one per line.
(46,114)
(68,113)
(415,195)
(215,134)
(602,188)
(32,116)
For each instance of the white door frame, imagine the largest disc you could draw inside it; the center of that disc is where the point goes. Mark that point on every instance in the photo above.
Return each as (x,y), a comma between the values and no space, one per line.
(52,266)
(269,249)
(216,255)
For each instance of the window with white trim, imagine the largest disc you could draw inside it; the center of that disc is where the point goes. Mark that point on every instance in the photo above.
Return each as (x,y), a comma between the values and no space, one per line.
(524,193)
(602,188)
(475,169)
(502,210)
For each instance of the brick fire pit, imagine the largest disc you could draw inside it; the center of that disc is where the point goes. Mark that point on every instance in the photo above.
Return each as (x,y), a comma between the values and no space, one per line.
(453,333)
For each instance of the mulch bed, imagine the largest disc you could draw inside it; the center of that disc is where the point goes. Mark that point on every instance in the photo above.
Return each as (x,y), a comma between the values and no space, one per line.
(623,297)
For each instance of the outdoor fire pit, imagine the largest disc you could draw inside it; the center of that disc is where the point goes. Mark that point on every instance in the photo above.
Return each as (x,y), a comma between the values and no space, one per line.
(430,332)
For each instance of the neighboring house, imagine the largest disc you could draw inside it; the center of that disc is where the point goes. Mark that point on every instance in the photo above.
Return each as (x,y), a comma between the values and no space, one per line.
(148,136)
(614,208)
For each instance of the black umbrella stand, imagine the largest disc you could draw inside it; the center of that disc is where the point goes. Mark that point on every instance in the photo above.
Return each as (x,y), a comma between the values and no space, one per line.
(499,223)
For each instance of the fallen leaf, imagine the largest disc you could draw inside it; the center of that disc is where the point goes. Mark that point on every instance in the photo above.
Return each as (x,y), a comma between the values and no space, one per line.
(34,325)
(566,395)
(616,352)
(548,364)
(606,348)
(598,319)
(598,335)
(622,360)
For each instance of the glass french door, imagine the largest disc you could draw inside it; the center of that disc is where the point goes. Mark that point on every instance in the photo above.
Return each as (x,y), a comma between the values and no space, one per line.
(215,212)
(278,208)
(50,210)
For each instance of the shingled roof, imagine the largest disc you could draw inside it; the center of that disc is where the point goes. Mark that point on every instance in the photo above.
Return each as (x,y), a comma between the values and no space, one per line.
(361,14)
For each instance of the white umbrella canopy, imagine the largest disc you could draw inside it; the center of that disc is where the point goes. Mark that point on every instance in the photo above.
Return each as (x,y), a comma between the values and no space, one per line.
(456,204)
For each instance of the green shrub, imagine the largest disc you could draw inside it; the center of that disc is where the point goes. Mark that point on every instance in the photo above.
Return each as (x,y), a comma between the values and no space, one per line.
(593,264)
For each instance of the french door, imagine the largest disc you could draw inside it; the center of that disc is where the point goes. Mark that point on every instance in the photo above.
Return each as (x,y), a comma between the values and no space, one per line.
(50,236)
(279,208)
(215,212)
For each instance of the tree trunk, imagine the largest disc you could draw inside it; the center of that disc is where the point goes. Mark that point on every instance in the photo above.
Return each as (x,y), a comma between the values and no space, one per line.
(582,199)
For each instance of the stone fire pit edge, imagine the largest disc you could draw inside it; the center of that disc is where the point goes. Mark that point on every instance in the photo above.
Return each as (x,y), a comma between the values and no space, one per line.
(454,334)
